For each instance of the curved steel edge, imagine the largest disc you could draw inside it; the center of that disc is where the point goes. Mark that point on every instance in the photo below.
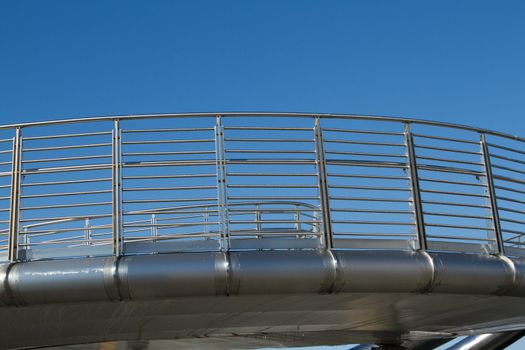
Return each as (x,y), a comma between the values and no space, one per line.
(257,272)
(261,114)
(489,341)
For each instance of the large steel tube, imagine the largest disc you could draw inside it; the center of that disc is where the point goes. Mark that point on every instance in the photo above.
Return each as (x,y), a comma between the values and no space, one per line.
(256,272)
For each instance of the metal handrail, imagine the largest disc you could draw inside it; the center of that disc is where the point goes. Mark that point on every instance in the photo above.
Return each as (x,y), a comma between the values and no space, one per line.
(345,174)
(298,209)
(264,114)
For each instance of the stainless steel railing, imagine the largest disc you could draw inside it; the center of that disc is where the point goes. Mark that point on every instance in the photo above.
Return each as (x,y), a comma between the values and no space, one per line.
(223,181)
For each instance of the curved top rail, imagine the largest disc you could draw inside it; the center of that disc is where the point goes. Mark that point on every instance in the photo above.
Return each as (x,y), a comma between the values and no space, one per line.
(265,114)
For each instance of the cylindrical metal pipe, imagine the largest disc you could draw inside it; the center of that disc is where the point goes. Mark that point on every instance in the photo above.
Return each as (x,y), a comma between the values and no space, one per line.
(256,272)
(489,341)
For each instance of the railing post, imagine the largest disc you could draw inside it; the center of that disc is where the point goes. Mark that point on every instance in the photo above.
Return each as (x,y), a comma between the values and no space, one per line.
(14,211)
(153,225)
(414,185)
(222,196)
(297,218)
(87,232)
(323,183)
(116,213)
(315,226)
(26,241)
(258,218)
(492,195)
(206,221)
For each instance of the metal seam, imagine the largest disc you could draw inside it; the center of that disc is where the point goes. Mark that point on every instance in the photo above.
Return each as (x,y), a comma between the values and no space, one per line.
(510,263)
(430,285)
(334,265)
(117,278)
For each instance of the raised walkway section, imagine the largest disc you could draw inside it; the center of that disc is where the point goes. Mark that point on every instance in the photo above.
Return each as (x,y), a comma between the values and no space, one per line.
(248,230)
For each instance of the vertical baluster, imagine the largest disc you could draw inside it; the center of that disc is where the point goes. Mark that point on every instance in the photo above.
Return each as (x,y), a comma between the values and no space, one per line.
(206,221)
(154,232)
(87,232)
(500,249)
(323,184)
(258,218)
(297,218)
(26,240)
(116,177)
(315,222)
(14,211)
(414,184)
(222,197)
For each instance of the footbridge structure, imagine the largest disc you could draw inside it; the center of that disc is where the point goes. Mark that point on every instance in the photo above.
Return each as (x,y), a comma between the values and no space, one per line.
(251,230)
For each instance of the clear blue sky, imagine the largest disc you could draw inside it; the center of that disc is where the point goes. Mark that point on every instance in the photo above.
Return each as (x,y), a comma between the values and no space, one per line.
(457,61)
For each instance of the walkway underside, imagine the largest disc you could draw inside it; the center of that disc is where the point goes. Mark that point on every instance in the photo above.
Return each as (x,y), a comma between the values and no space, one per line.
(261,298)
(262,321)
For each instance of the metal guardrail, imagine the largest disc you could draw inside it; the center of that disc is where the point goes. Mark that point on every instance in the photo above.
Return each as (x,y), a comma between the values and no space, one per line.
(223,181)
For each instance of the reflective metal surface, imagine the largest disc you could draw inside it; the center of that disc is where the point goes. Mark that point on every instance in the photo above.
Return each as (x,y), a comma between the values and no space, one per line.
(288,227)
(495,341)
(219,181)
